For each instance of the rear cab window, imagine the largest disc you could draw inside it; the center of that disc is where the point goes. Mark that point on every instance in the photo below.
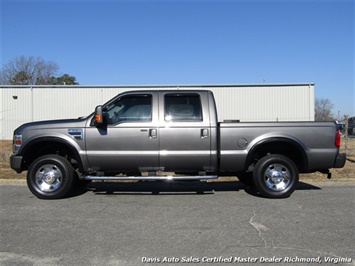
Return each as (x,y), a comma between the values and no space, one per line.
(182,107)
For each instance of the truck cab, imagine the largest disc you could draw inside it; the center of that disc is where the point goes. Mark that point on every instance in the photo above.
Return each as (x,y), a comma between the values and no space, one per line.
(154,131)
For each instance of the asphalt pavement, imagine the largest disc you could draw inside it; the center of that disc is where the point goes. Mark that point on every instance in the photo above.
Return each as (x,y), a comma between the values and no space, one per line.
(178,224)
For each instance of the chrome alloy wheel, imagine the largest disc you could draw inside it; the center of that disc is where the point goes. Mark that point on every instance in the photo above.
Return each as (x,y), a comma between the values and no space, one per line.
(277,177)
(48,178)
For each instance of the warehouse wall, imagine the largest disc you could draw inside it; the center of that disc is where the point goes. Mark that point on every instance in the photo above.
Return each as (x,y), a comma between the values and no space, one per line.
(265,102)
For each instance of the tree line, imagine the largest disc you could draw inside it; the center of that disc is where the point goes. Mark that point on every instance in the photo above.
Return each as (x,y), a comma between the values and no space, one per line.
(32,70)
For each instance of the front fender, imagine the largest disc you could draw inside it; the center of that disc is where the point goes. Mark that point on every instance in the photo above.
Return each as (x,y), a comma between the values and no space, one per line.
(70,143)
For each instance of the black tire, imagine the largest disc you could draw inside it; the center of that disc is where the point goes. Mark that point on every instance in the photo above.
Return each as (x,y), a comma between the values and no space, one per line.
(81,183)
(50,177)
(275,176)
(246,178)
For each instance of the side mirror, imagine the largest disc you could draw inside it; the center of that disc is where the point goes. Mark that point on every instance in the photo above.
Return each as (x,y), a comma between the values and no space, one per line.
(99,120)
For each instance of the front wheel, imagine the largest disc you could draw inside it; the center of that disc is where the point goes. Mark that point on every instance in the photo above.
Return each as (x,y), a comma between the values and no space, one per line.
(50,177)
(275,176)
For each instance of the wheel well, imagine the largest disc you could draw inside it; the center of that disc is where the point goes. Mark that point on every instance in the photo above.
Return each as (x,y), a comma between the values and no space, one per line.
(50,147)
(287,148)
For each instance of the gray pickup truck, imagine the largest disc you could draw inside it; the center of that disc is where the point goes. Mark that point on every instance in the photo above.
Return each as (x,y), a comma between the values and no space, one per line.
(139,134)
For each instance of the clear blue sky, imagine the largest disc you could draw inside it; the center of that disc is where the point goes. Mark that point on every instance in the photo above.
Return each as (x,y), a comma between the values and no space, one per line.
(190,42)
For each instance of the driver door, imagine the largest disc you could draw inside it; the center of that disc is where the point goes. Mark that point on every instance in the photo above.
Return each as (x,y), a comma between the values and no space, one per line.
(128,140)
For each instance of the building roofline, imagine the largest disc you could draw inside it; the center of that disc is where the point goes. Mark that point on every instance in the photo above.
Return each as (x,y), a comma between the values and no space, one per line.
(177,86)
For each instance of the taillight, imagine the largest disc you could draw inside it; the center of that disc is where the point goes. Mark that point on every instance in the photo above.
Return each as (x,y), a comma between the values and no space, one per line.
(17,143)
(337,138)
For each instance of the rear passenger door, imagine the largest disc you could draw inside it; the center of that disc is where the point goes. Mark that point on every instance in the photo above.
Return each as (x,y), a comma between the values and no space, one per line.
(184,132)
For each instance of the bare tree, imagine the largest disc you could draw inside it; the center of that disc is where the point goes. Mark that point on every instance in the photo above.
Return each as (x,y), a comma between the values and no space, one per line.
(323,110)
(28,71)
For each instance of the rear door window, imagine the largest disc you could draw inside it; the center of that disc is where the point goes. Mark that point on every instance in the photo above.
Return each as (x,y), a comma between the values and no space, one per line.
(183,107)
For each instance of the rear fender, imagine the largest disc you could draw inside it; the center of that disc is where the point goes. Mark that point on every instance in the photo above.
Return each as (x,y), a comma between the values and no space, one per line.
(279,145)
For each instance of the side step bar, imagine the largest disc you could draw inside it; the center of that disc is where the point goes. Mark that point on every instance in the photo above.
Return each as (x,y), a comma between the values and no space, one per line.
(196,177)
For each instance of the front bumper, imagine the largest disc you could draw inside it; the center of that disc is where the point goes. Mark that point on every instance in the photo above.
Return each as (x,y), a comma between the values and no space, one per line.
(340,161)
(16,163)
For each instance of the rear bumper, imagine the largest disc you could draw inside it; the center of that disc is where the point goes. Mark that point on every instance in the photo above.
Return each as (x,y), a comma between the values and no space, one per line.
(16,162)
(340,161)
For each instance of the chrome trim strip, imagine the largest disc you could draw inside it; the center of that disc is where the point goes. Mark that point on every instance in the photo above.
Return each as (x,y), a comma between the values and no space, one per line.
(162,153)
(233,152)
(89,177)
(122,152)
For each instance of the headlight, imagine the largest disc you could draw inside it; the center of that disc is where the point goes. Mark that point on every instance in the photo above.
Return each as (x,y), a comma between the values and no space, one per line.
(17,143)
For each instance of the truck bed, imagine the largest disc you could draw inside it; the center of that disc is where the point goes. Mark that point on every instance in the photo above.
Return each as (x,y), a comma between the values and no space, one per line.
(314,141)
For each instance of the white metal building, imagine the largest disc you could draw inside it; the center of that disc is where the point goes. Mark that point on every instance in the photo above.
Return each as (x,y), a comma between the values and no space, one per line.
(261,103)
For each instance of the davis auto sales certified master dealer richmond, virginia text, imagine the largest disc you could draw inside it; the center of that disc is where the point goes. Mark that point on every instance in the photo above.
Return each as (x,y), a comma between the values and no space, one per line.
(239,259)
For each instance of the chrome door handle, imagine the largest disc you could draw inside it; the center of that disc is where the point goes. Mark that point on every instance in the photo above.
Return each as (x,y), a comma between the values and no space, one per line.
(204,133)
(153,133)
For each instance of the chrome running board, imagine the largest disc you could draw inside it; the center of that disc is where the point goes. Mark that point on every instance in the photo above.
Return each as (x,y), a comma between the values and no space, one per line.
(145,178)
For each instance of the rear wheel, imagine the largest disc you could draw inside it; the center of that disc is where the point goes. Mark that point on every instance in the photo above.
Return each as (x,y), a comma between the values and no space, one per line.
(50,177)
(275,176)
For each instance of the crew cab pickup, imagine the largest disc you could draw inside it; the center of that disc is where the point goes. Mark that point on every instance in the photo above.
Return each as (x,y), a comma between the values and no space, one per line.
(175,131)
